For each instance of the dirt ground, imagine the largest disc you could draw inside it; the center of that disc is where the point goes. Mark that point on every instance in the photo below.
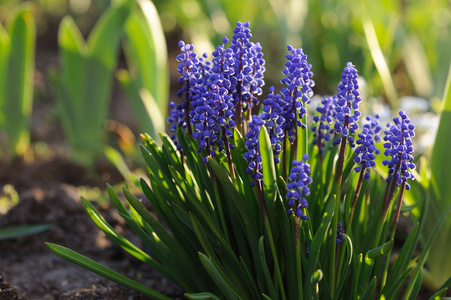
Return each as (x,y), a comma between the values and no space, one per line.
(29,270)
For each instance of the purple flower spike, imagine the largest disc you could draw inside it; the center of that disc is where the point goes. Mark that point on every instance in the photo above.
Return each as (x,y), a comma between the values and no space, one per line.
(298,188)
(271,115)
(188,69)
(366,150)
(297,91)
(253,156)
(322,129)
(248,69)
(398,145)
(347,109)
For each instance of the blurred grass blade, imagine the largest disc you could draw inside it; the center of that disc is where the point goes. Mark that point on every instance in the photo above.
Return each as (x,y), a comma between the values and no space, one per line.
(146,83)
(146,52)
(145,107)
(17,48)
(439,295)
(377,55)
(97,268)
(116,159)
(83,86)
(438,261)
(426,251)
(14,232)
(104,35)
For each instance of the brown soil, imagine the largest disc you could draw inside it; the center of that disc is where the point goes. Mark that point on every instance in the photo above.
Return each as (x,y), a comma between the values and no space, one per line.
(48,194)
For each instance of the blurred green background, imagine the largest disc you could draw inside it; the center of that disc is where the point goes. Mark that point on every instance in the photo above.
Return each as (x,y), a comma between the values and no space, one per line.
(400,47)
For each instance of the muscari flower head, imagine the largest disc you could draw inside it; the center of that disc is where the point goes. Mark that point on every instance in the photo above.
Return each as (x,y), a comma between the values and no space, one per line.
(347,109)
(323,130)
(212,107)
(254,76)
(298,187)
(398,145)
(340,233)
(188,67)
(253,156)
(366,150)
(272,116)
(298,90)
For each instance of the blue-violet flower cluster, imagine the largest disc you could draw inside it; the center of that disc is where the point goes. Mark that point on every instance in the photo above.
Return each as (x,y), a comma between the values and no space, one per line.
(272,116)
(347,108)
(398,145)
(253,156)
(297,91)
(323,130)
(366,150)
(298,187)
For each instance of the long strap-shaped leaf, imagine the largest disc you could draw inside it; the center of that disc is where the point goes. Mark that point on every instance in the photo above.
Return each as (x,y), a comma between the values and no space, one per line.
(217,277)
(103,271)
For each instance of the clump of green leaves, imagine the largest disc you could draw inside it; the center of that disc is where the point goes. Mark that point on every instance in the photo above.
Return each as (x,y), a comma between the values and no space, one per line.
(17,43)
(83,85)
(270,215)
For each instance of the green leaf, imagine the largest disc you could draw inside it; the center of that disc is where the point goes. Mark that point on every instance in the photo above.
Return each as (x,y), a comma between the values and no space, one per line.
(343,277)
(368,263)
(370,289)
(269,282)
(103,271)
(217,277)
(14,232)
(268,169)
(223,176)
(317,241)
(202,296)
(416,287)
(403,259)
(379,251)
(117,238)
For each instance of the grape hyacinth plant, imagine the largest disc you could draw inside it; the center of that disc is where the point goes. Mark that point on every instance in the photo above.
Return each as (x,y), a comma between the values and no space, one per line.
(241,223)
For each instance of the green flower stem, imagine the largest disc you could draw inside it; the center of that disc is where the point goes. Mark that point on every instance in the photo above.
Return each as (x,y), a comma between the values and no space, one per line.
(279,284)
(229,156)
(339,179)
(392,236)
(356,197)
(284,158)
(298,254)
